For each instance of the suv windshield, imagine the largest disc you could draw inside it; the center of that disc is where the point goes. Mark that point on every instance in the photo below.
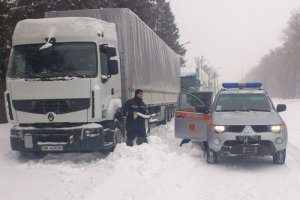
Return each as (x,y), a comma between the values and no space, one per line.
(59,60)
(243,102)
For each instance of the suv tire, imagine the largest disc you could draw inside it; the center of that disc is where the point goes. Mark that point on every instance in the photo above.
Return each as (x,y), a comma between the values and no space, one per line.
(212,157)
(279,157)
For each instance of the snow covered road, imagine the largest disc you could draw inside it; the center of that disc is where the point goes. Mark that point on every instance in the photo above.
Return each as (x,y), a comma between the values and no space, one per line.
(158,170)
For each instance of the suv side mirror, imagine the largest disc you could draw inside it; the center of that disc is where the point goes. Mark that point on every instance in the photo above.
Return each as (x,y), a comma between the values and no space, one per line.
(281,108)
(202,109)
(113,67)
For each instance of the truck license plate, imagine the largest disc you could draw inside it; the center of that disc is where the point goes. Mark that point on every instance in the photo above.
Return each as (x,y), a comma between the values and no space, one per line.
(52,148)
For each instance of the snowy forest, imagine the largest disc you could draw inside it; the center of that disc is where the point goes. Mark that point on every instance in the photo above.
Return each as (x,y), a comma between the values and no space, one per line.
(279,70)
(156,14)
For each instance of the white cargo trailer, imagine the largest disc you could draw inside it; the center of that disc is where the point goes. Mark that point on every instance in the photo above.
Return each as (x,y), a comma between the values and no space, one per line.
(70,72)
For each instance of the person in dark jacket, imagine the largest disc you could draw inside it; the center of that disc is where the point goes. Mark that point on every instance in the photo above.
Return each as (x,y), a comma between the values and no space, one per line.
(135,125)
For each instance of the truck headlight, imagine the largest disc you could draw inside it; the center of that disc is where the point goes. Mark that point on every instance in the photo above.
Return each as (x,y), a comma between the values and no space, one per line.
(277,128)
(15,133)
(219,128)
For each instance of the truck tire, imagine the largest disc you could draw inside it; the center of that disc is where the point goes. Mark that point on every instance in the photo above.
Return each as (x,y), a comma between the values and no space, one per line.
(212,157)
(119,135)
(164,121)
(279,157)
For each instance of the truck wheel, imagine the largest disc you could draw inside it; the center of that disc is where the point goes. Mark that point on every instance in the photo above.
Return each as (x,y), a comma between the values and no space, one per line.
(212,157)
(119,135)
(279,157)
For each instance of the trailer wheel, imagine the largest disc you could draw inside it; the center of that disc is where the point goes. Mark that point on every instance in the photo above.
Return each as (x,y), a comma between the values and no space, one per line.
(167,114)
(172,112)
(164,121)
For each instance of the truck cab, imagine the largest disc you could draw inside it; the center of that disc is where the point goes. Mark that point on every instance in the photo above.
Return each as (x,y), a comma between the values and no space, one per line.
(63,84)
(242,121)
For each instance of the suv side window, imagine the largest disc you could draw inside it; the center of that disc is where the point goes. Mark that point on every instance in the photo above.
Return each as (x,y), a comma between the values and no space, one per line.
(188,102)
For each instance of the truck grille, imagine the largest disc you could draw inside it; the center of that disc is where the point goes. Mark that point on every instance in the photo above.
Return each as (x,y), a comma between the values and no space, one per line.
(58,106)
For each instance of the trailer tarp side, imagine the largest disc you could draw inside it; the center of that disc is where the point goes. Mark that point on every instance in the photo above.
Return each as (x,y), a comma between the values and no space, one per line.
(146,61)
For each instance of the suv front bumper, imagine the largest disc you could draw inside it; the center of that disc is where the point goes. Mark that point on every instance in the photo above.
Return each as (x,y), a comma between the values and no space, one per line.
(265,143)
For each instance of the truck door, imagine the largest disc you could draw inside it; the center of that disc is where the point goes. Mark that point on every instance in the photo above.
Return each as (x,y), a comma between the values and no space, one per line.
(192,118)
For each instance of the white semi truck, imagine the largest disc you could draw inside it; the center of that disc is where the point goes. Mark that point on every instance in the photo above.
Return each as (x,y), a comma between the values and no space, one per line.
(70,73)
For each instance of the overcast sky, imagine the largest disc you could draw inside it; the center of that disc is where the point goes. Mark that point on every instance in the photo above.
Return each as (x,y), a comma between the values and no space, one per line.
(232,35)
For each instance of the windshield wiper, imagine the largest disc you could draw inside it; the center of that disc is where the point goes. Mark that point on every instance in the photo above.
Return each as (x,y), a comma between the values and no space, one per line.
(71,74)
(259,110)
(226,110)
(243,110)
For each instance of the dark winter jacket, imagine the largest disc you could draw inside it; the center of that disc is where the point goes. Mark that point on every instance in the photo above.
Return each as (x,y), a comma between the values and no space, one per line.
(135,125)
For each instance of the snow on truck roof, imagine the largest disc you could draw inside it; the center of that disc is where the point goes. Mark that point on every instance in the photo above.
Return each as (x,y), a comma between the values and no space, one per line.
(187,71)
(66,29)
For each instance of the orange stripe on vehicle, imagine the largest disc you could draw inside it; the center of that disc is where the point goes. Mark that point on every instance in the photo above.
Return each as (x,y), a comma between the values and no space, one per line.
(192,115)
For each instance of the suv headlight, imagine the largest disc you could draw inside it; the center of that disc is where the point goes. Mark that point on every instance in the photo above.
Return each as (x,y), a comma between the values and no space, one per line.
(277,128)
(219,128)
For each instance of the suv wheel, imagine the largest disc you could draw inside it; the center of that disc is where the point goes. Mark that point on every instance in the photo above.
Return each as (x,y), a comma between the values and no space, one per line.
(211,157)
(279,157)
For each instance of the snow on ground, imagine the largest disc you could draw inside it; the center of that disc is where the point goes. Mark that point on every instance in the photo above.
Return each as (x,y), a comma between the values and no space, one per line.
(158,170)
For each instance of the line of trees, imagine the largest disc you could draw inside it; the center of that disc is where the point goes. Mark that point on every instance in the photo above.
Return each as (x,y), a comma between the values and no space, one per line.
(280,69)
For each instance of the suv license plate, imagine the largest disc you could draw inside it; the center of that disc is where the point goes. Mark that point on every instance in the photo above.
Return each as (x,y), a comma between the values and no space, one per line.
(248,137)
(52,148)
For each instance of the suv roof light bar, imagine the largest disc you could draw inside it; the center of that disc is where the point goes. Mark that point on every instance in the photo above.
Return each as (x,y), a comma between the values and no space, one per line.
(242,85)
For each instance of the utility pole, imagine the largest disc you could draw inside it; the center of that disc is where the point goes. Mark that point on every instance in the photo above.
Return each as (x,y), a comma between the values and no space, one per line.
(215,83)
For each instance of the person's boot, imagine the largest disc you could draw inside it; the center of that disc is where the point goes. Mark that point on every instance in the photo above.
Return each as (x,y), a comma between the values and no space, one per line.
(129,143)
(141,140)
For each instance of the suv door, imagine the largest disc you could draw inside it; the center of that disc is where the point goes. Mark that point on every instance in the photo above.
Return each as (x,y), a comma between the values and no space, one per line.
(192,118)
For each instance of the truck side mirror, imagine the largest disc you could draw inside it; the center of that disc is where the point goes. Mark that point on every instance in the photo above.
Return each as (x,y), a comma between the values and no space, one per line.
(109,51)
(281,108)
(113,67)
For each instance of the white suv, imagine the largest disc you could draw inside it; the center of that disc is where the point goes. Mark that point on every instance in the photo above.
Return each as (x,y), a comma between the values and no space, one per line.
(241,121)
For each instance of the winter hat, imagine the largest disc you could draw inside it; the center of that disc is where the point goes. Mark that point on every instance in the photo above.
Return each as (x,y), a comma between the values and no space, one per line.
(138,91)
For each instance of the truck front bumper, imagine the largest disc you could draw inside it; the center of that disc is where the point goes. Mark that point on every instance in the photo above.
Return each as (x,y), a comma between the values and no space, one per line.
(85,138)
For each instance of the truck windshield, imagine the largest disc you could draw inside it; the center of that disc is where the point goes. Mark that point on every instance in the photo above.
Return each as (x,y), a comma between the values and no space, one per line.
(243,102)
(189,81)
(59,60)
